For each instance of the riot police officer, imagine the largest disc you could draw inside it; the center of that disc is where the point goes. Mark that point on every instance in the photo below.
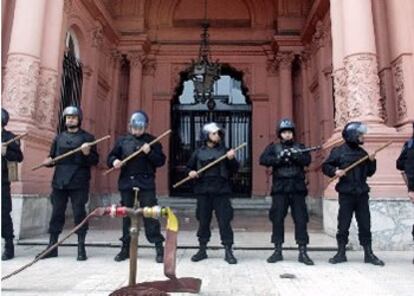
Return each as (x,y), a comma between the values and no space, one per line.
(405,163)
(353,190)
(213,189)
(10,152)
(138,172)
(71,178)
(288,189)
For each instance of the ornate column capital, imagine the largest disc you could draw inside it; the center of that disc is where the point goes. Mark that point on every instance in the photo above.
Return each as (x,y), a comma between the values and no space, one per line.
(305,57)
(149,66)
(115,57)
(285,59)
(135,58)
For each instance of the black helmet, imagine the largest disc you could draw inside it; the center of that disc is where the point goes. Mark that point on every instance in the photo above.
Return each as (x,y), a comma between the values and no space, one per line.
(74,111)
(353,130)
(285,124)
(4,117)
(209,128)
(139,119)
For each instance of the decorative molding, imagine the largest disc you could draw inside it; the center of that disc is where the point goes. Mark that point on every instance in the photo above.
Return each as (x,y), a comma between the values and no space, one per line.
(20,85)
(341,107)
(383,96)
(362,85)
(399,88)
(115,57)
(67,6)
(285,59)
(47,94)
(305,57)
(135,58)
(318,38)
(149,66)
(97,36)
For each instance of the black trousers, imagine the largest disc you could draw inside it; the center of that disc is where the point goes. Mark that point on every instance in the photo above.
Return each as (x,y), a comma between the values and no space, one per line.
(59,199)
(146,198)
(348,204)
(221,205)
(6,208)
(299,212)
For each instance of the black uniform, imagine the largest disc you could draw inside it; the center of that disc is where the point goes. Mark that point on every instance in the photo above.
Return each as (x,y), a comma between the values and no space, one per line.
(288,189)
(138,172)
(13,153)
(353,190)
(213,192)
(71,179)
(405,162)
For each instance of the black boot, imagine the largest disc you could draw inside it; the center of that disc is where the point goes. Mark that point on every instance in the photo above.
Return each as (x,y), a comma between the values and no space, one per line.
(124,253)
(8,252)
(303,255)
(340,256)
(369,256)
(229,257)
(81,248)
(52,240)
(201,254)
(159,251)
(277,254)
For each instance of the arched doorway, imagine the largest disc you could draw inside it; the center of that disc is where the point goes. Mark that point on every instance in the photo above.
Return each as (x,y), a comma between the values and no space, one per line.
(232,111)
(72,77)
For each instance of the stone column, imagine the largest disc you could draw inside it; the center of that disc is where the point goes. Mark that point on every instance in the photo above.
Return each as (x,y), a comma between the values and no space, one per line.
(360,61)
(285,95)
(401,40)
(388,108)
(273,90)
(46,114)
(387,194)
(116,59)
(319,41)
(148,71)
(135,81)
(304,65)
(23,62)
(338,71)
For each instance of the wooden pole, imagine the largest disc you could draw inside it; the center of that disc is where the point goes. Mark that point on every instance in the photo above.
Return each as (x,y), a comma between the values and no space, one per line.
(350,167)
(139,151)
(207,166)
(5,144)
(69,153)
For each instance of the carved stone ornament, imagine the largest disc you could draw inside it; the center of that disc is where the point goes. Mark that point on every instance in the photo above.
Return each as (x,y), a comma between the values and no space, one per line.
(20,85)
(362,85)
(341,108)
(398,76)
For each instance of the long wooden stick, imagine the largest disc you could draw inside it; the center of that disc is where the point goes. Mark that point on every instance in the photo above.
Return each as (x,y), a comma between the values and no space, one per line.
(139,151)
(13,140)
(350,167)
(69,153)
(207,166)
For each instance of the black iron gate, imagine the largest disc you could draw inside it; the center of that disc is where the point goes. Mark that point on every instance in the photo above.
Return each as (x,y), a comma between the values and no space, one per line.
(71,84)
(187,121)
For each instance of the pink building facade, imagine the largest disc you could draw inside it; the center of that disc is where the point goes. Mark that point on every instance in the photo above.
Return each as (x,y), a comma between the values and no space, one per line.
(320,62)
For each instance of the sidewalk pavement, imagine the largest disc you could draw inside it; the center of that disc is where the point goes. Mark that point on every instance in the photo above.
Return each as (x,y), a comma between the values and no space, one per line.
(100,275)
